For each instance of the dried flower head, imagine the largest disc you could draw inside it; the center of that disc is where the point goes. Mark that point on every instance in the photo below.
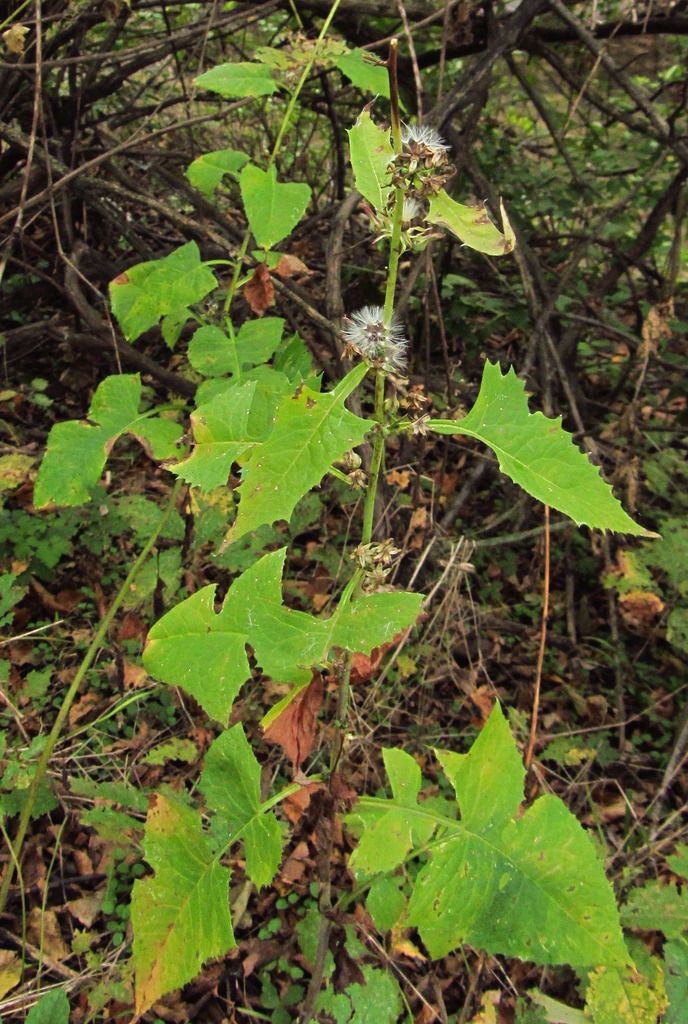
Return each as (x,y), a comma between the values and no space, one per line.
(422,136)
(413,209)
(382,344)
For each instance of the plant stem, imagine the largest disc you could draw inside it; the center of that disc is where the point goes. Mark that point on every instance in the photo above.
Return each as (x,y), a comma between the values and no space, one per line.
(276,148)
(54,735)
(376,461)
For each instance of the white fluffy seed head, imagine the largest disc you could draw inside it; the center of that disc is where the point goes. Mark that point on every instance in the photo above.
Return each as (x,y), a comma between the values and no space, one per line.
(380,342)
(423,135)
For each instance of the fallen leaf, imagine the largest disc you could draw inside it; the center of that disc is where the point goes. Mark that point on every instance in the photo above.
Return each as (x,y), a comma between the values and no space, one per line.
(640,609)
(131,627)
(14,39)
(10,971)
(133,675)
(419,518)
(86,908)
(294,729)
(290,266)
(259,291)
(296,804)
(45,925)
(295,865)
(84,706)
(399,477)
(63,601)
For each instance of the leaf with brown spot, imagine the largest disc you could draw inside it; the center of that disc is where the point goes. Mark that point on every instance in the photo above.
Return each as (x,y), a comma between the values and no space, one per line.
(294,729)
(259,291)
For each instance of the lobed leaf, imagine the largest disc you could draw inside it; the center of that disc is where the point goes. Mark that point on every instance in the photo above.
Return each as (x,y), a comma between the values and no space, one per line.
(77,450)
(181,915)
(149,291)
(204,652)
(273,208)
(538,454)
(231,785)
(310,432)
(221,435)
(472,226)
(207,171)
(529,886)
(235,81)
(371,152)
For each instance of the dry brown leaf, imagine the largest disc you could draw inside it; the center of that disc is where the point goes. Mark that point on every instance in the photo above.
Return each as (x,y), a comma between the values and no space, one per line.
(295,865)
(133,675)
(131,627)
(640,609)
(63,601)
(53,943)
(400,478)
(296,804)
(84,706)
(419,518)
(86,908)
(290,266)
(294,730)
(259,291)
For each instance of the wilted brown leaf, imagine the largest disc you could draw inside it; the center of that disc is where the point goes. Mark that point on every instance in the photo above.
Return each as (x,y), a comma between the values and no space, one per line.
(63,601)
(84,706)
(45,925)
(290,266)
(294,729)
(86,908)
(259,291)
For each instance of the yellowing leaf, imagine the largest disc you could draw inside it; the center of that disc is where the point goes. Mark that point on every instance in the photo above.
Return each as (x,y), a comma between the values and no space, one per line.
(180,915)
(472,225)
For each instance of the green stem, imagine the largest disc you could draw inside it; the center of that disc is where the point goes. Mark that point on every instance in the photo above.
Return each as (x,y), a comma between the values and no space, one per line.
(276,148)
(54,735)
(376,461)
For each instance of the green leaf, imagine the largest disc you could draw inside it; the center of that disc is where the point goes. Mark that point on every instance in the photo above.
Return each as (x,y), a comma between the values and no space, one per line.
(377,1001)
(77,450)
(472,226)
(384,845)
(365,71)
(538,454)
(234,81)
(619,997)
(311,431)
(221,435)
(202,651)
(172,326)
(231,785)
(181,915)
(273,208)
(657,907)
(257,340)
(371,152)
(210,351)
(678,860)
(52,1008)
(149,291)
(385,902)
(676,981)
(206,172)
(528,886)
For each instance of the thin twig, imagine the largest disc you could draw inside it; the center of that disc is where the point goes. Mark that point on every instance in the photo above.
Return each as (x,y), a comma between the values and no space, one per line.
(541,650)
